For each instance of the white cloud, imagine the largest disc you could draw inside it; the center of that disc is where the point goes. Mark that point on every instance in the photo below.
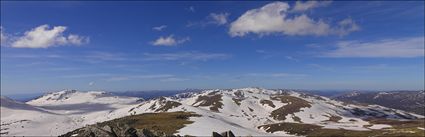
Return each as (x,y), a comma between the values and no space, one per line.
(194,56)
(91,83)
(3,36)
(404,47)
(218,18)
(275,18)
(159,28)
(345,27)
(304,6)
(212,19)
(44,37)
(169,41)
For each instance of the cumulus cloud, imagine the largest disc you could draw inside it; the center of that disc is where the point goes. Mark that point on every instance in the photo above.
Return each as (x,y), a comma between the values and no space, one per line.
(169,41)
(276,18)
(304,6)
(44,37)
(404,47)
(194,56)
(159,28)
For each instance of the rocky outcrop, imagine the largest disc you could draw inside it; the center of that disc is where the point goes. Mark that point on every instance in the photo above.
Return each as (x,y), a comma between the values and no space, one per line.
(112,131)
(224,134)
(142,125)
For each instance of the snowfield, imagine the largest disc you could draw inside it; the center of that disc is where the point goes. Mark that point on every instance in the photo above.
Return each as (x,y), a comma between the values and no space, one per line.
(240,110)
(57,113)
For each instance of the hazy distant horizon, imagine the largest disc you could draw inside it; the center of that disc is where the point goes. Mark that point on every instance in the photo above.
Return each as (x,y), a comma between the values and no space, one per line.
(38,93)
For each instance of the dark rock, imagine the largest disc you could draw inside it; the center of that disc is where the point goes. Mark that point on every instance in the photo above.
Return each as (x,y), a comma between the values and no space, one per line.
(224,134)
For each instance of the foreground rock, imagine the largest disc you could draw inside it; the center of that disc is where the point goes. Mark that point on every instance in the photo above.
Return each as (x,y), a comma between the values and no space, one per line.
(143,125)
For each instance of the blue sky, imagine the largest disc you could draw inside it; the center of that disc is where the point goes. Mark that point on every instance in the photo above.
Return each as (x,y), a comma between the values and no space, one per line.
(120,46)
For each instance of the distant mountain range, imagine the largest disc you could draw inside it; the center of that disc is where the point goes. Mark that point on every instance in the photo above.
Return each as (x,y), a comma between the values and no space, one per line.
(245,111)
(150,94)
(412,101)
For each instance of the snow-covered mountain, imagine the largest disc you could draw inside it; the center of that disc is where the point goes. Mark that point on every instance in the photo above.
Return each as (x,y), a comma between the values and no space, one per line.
(18,118)
(245,111)
(58,112)
(412,101)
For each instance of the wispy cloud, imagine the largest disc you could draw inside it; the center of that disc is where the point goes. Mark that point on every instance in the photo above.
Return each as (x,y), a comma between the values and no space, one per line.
(378,67)
(217,19)
(3,37)
(169,41)
(120,78)
(194,56)
(275,75)
(191,9)
(155,76)
(33,56)
(173,79)
(404,47)
(291,58)
(105,56)
(321,67)
(260,51)
(159,28)
(266,54)
(33,64)
(89,57)
(86,75)
(60,68)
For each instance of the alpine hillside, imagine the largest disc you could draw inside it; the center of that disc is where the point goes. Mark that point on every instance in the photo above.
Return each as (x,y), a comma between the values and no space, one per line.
(245,111)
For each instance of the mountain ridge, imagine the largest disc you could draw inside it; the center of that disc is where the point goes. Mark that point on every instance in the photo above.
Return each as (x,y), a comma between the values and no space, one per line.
(244,111)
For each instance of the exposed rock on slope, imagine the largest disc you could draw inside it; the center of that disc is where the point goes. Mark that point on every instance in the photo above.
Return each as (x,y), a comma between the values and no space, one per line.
(243,110)
(148,124)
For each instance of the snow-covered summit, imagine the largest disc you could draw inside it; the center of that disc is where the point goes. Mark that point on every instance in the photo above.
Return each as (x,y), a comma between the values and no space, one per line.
(78,97)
